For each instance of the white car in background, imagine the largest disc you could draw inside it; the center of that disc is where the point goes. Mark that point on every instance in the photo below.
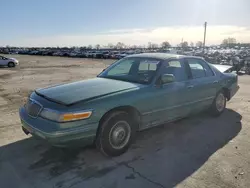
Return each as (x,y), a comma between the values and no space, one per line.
(10,62)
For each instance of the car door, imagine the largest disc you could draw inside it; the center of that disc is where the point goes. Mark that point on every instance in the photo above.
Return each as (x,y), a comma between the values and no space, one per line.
(202,86)
(169,99)
(2,61)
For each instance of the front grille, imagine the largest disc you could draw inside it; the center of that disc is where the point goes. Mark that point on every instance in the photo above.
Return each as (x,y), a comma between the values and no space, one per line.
(33,108)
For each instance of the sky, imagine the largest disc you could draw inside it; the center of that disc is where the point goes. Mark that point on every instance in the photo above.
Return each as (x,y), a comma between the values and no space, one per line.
(82,22)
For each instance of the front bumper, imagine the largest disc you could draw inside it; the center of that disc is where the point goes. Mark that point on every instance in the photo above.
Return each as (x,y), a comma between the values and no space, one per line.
(78,136)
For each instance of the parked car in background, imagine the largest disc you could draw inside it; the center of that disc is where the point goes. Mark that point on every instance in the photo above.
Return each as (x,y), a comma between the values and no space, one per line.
(120,55)
(97,54)
(112,55)
(213,54)
(105,54)
(10,62)
(102,55)
(73,54)
(90,54)
(135,93)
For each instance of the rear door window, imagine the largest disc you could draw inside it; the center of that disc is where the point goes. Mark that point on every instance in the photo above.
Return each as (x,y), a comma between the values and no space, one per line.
(176,68)
(207,69)
(197,70)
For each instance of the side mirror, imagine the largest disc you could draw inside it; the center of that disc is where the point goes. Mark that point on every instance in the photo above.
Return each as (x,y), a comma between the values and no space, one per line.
(167,78)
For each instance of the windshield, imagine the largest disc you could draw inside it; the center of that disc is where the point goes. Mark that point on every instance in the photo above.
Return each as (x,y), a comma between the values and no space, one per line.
(133,69)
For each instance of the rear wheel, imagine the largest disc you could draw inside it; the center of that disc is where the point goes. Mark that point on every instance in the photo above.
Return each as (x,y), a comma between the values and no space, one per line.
(219,104)
(11,64)
(116,134)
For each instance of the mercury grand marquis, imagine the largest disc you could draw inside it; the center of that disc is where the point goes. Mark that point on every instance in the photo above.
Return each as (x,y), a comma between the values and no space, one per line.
(135,93)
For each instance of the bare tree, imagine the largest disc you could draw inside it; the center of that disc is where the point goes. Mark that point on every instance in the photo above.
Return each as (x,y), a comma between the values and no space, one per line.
(191,44)
(110,45)
(165,44)
(154,45)
(229,42)
(120,45)
(184,44)
(199,44)
(134,46)
(98,46)
(90,47)
(149,45)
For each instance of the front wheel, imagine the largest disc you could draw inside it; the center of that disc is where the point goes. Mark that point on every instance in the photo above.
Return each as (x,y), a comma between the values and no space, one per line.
(11,64)
(219,104)
(116,134)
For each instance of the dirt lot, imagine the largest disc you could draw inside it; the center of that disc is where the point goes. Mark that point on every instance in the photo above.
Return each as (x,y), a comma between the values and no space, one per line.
(197,152)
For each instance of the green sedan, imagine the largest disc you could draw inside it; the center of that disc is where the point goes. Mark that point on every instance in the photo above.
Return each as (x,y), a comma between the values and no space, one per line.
(135,93)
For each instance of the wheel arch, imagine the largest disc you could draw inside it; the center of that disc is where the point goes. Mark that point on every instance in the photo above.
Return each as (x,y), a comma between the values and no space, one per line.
(226,92)
(11,62)
(135,114)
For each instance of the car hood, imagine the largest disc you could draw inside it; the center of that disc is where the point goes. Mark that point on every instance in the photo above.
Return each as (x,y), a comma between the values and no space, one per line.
(72,93)
(13,59)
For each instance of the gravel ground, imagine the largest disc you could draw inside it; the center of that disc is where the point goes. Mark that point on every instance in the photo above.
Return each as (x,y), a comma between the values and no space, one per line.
(200,151)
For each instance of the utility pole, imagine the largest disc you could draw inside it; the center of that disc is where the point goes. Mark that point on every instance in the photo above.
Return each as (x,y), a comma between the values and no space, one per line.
(181,44)
(204,41)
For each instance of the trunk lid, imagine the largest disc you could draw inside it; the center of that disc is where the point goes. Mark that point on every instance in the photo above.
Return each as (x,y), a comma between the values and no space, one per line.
(223,68)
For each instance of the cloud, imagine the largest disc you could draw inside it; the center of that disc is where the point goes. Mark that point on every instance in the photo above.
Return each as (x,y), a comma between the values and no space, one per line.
(215,34)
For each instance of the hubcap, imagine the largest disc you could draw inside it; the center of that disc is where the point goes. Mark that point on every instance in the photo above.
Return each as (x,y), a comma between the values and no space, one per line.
(220,102)
(119,135)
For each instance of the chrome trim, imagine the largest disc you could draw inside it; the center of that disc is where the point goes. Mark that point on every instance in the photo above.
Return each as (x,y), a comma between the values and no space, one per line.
(177,106)
(59,133)
(162,85)
(153,124)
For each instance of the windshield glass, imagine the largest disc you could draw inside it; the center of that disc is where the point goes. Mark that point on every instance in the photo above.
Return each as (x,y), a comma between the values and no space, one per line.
(133,69)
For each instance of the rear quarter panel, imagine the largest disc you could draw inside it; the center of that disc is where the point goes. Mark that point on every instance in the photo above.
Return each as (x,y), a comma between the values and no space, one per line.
(230,81)
(226,80)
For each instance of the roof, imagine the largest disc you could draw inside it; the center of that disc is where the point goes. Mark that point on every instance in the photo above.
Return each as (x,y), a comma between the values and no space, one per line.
(162,56)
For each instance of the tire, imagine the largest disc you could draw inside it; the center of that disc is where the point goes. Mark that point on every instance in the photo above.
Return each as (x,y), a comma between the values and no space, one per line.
(219,104)
(115,125)
(11,64)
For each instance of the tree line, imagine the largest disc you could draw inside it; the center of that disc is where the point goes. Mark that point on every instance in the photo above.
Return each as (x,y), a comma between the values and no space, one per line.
(227,42)
(150,45)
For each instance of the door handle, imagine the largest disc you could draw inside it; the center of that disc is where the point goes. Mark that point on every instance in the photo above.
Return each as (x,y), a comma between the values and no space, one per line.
(216,82)
(190,87)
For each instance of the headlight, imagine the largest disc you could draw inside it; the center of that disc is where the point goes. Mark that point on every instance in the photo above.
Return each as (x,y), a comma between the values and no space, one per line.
(65,117)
